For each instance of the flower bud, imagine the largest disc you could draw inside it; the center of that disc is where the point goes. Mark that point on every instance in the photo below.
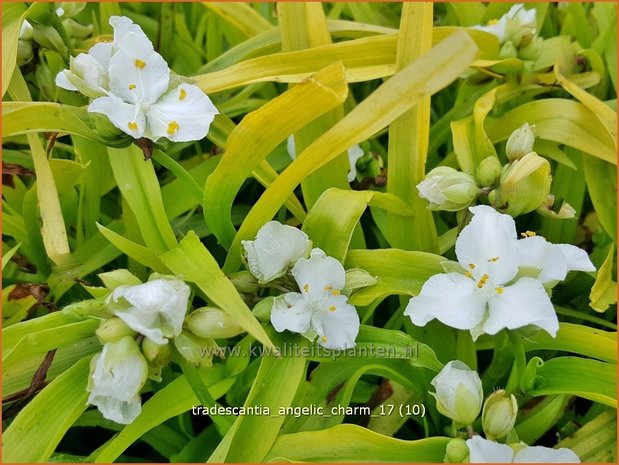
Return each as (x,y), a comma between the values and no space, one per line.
(262,310)
(24,52)
(457,451)
(524,185)
(113,279)
(105,128)
(448,189)
(48,37)
(357,278)
(508,50)
(210,322)
(113,329)
(155,353)
(489,171)
(459,393)
(244,282)
(520,142)
(195,349)
(75,29)
(499,414)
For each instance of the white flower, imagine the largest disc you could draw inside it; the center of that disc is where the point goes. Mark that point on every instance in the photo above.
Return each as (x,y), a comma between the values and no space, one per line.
(116,376)
(276,248)
(459,393)
(484,451)
(489,296)
(514,24)
(319,308)
(354,153)
(155,309)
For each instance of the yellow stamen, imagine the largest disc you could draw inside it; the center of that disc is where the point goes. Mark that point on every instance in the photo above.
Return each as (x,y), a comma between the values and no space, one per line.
(306,287)
(132,86)
(324,338)
(173,127)
(332,308)
(528,234)
(468,274)
(499,290)
(472,266)
(182,94)
(133,125)
(493,259)
(328,288)
(139,63)
(492,22)
(335,292)
(482,281)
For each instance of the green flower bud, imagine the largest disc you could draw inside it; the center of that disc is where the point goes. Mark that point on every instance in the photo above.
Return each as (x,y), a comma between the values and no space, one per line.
(498,416)
(24,52)
(195,349)
(48,37)
(75,29)
(524,185)
(458,393)
(357,278)
(508,50)
(113,329)
(245,282)
(489,171)
(210,322)
(532,50)
(448,189)
(113,279)
(157,355)
(520,142)
(457,451)
(262,310)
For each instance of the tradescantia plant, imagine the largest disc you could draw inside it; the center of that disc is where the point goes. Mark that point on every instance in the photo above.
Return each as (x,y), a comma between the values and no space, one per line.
(251,232)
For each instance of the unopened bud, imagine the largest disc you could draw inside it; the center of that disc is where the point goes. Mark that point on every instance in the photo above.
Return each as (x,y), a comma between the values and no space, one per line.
(489,171)
(155,353)
(459,392)
(520,142)
(24,52)
(210,322)
(448,189)
(245,282)
(113,279)
(48,37)
(524,185)
(113,329)
(356,278)
(499,414)
(508,50)
(456,451)
(75,29)
(262,310)
(194,349)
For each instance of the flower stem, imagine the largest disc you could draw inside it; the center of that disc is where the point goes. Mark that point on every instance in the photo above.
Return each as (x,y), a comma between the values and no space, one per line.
(520,363)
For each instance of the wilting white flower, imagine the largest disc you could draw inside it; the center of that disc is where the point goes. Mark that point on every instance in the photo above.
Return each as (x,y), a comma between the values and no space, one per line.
(276,248)
(459,393)
(320,308)
(116,376)
(484,451)
(354,153)
(155,309)
(502,279)
(448,189)
(132,82)
(513,25)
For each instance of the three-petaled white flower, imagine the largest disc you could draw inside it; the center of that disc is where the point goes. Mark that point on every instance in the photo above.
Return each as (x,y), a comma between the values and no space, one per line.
(155,309)
(276,248)
(132,82)
(516,22)
(484,451)
(116,376)
(320,308)
(354,153)
(502,280)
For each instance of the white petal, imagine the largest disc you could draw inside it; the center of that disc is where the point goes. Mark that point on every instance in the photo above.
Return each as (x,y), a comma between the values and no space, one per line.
(91,71)
(155,309)
(451,298)
(277,247)
(102,52)
(337,323)
(487,245)
(184,114)
(354,153)
(117,375)
(319,275)
(125,116)
(292,151)
(63,81)
(537,253)
(122,26)
(137,73)
(576,258)
(484,451)
(459,394)
(291,312)
(540,454)
(521,304)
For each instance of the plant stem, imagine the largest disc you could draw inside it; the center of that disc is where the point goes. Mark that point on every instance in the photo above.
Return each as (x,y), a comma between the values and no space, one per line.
(520,363)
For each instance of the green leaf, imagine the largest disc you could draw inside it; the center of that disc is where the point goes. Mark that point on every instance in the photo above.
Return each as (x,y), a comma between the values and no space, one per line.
(534,422)
(604,290)
(595,442)
(39,427)
(425,76)
(601,178)
(12,17)
(139,253)
(352,443)
(332,220)
(590,379)
(195,263)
